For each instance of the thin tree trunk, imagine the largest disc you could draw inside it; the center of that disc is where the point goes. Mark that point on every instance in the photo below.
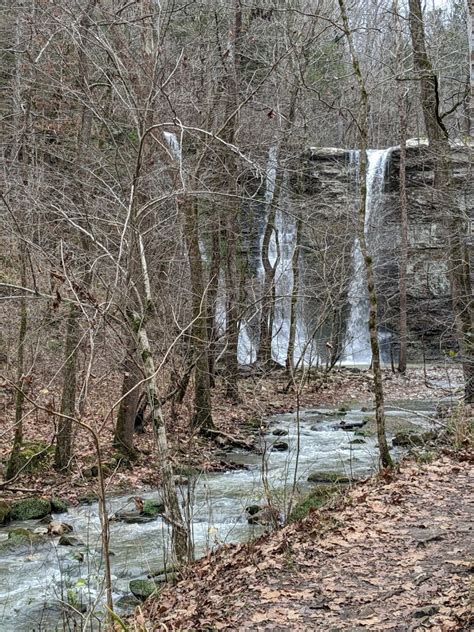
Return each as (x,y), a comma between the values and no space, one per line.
(470,35)
(385,458)
(180,541)
(125,425)
(295,260)
(212,291)
(231,224)
(63,452)
(402,110)
(13,465)
(460,279)
(264,354)
(202,418)
(64,443)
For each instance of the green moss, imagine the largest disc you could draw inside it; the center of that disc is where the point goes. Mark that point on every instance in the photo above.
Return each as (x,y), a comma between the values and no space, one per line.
(328,477)
(22,536)
(30,508)
(35,457)
(152,508)
(314,500)
(58,505)
(142,588)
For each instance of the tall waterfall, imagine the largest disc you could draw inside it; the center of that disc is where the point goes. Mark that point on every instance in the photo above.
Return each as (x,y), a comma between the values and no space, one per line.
(357,343)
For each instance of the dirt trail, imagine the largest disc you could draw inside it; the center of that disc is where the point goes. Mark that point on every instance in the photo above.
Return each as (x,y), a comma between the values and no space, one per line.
(395,556)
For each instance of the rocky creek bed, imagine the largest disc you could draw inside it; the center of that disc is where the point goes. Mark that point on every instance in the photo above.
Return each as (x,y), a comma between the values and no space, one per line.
(46,578)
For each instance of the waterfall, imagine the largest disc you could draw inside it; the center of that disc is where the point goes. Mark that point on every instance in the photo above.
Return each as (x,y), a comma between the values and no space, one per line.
(285,231)
(357,343)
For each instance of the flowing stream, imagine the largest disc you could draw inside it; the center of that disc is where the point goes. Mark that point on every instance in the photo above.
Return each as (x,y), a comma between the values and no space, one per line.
(36,579)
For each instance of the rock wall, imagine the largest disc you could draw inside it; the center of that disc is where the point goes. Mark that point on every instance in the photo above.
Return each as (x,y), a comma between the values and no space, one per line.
(329,180)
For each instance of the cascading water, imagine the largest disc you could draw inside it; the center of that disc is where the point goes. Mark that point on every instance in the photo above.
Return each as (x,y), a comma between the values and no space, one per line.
(357,343)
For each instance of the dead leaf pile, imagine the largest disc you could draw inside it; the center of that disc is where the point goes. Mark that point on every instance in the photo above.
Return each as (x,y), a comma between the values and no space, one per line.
(394,555)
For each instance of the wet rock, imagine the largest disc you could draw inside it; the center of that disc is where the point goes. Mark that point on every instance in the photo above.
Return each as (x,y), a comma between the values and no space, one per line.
(351,425)
(280,446)
(142,588)
(88,499)
(328,477)
(22,536)
(280,432)
(4,512)
(181,480)
(70,540)
(58,528)
(164,574)
(30,508)
(152,508)
(58,505)
(357,441)
(262,514)
(407,439)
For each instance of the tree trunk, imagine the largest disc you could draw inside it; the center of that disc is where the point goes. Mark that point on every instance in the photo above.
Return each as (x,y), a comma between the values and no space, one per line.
(470,35)
(202,418)
(290,358)
(213,287)
(264,354)
(231,174)
(385,458)
(180,542)
(402,110)
(460,279)
(125,425)
(64,448)
(13,465)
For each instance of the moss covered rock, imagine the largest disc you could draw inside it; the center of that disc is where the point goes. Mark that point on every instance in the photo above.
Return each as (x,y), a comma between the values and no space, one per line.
(30,508)
(58,505)
(407,439)
(35,456)
(315,499)
(152,508)
(328,477)
(22,536)
(142,588)
(4,512)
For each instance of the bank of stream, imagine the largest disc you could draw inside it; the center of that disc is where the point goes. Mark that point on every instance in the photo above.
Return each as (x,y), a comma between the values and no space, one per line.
(43,583)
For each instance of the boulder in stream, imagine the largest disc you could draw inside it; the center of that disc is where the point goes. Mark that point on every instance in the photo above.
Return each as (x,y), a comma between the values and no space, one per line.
(328,477)
(152,508)
(280,432)
(30,508)
(58,505)
(142,588)
(70,540)
(280,446)
(350,425)
(22,536)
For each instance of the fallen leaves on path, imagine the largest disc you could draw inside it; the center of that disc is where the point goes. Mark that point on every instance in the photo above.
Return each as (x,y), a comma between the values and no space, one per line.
(369,563)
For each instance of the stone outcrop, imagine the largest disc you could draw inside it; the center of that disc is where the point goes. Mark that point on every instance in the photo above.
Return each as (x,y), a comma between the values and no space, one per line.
(330,181)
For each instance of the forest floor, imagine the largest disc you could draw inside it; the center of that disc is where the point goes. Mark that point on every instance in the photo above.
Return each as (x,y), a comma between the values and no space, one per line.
(392,554)
(261,397)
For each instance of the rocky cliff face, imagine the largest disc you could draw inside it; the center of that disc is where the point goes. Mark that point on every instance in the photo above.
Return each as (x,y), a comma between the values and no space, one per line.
(330,181)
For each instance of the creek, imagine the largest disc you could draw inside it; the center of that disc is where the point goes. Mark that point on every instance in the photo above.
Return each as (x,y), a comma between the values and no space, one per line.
(36,581)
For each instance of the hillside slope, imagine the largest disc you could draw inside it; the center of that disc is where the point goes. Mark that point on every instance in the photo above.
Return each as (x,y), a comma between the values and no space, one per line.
(393,556)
